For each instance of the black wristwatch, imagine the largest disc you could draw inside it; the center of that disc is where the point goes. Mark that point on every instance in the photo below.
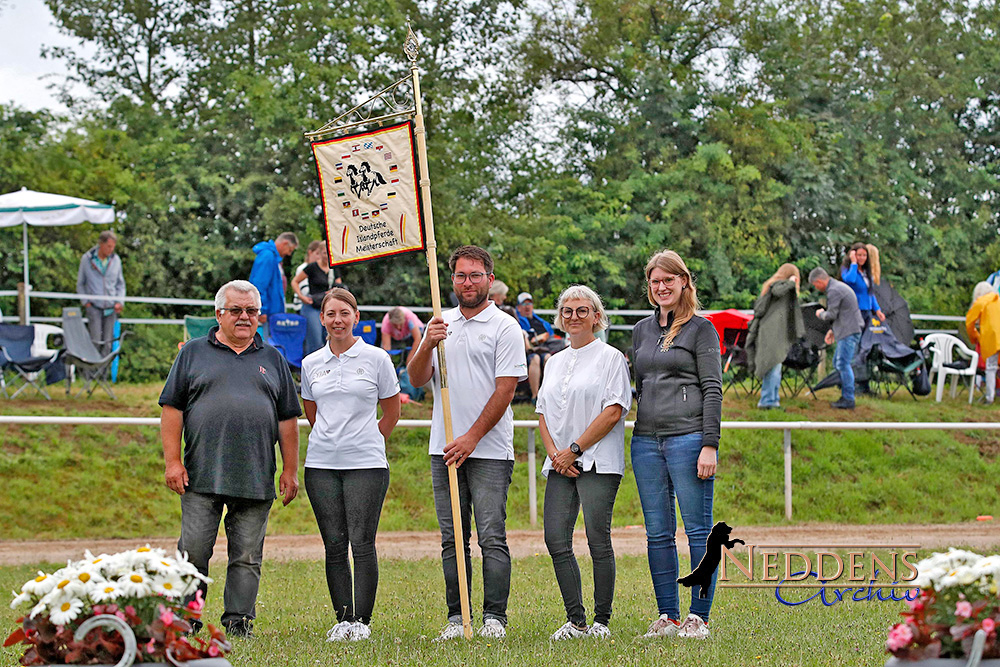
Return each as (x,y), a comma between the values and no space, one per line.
(575,448)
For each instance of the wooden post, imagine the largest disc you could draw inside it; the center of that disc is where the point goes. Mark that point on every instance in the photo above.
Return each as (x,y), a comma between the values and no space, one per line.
(432,265)
(22,303)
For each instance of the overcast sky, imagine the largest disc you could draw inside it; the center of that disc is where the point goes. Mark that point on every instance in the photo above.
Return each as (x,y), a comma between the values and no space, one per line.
(25,25)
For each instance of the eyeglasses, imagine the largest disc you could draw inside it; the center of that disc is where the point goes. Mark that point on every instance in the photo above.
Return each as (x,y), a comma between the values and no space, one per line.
(666,282)
(583,312)
(474,278)
(238,312)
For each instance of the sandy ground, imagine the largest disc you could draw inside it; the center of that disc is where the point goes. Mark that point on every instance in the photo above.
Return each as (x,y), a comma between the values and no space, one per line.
(630,540)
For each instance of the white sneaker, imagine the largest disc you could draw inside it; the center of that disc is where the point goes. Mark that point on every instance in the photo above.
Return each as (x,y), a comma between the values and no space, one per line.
(451,631)
(693,628)
(568,631)
(359,632)
(492,629)
(664,626)
(341,632)
(599,631)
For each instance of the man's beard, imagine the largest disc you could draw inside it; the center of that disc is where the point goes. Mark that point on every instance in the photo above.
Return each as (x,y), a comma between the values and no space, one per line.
(475,302)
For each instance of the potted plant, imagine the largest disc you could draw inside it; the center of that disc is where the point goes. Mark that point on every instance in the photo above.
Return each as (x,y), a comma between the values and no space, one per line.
(117,609)
(955,618)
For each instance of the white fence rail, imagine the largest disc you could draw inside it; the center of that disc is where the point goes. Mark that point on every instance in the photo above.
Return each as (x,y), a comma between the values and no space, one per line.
(785,427)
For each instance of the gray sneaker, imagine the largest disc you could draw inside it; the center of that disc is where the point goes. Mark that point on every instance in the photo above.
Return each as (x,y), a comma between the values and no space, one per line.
(451,631)
(492,629)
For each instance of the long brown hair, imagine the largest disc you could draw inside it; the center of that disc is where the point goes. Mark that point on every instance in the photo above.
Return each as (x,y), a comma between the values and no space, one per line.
(670,262)
(874,264)
(784,272)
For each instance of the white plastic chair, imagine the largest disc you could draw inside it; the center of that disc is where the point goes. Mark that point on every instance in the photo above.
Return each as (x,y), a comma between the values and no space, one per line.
(945,362)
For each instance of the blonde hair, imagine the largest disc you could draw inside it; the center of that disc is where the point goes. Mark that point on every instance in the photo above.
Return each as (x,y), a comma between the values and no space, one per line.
(397,316)
(340,294)
(670,262)
(585,293)
(784,272)
(874,265)
(980,290)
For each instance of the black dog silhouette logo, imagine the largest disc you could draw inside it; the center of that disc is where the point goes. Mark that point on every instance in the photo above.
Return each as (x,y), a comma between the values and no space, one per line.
(702,575)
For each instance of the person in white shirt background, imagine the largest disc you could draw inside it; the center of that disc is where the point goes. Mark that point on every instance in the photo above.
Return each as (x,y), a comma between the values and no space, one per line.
(484,349)
(581,410)
(346,469)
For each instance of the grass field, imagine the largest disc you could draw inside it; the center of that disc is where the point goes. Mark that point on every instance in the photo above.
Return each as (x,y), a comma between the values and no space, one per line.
(749,627)
(87,481)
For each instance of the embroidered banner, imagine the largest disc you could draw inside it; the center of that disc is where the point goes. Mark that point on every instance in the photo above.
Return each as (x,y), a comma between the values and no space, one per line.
(370,193)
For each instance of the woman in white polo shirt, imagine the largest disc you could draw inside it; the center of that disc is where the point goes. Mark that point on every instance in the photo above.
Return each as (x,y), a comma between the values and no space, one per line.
(582,405)
(347,473)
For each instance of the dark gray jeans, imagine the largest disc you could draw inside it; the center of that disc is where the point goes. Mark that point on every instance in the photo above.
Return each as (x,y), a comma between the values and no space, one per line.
(246,524)
(482,489)
(563,498)
(101,328)
(347,505)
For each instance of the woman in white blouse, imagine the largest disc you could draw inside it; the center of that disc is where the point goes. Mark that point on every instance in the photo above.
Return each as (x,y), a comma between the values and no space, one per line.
(347,473)
(582,405)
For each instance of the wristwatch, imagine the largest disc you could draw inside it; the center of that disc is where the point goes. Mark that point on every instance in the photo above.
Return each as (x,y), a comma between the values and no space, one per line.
(575,448)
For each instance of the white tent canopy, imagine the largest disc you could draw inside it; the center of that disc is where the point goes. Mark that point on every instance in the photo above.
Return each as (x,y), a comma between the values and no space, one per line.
(42,209)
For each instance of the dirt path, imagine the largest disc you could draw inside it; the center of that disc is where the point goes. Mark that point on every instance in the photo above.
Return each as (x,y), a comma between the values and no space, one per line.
(630,540)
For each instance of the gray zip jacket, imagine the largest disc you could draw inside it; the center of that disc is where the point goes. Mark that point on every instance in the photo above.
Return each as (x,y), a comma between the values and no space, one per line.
(842,310)
(90,280)
(680,390)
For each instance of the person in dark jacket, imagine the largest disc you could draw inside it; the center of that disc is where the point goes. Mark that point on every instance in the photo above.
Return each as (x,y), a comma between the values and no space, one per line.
(776,326)
(846,327)
(678,377)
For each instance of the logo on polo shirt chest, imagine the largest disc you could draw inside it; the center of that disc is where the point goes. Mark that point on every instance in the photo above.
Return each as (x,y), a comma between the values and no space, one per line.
(320,373)
(483,337)
(361,371)
(263,371)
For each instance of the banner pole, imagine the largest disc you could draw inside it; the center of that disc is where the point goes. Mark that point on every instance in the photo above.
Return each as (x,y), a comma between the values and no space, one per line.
(432,265)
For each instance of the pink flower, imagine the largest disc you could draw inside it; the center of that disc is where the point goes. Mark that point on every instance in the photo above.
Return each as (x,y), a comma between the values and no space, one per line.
(963,609)
(151,646)
(899,637)
(197,604)
(130,610)
(120,615)
(213,651)
(166,616)
(989,625)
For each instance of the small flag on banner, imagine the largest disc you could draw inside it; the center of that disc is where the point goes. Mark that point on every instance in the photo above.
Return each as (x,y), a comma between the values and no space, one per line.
(393,167)
(345,157)
(355,148)
(369,144)
(395,180)
(383,205)
(391,194)
(364,216)
(375,213)
(379,147)
(347,204)
(341,194)
(388,156)
(340,165)
(356,213)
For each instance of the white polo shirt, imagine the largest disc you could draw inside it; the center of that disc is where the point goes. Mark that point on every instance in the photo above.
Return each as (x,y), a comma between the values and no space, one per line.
(347,390)
(477,352)
(579,384)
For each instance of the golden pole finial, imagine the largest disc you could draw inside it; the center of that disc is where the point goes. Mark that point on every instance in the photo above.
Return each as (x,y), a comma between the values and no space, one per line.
(411,47)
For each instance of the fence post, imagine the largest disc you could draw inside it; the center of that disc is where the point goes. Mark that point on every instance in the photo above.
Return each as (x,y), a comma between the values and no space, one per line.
(532,480)
(788,473)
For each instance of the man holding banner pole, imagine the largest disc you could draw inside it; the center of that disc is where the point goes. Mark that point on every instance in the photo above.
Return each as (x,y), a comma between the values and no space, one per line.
(486,360)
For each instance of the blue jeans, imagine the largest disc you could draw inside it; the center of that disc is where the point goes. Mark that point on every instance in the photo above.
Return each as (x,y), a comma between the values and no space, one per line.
(315,333)
(482,489)
(246,523)
(842,359)
(770,388)
(666,467)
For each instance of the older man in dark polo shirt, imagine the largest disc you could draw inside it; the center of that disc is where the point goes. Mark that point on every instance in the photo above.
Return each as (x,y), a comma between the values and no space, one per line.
(233,397)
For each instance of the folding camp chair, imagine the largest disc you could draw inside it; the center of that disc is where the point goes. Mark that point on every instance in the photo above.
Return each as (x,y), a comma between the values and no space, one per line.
(80,352)
(288,334)
(196,327)
(735,362)
(366,329)
(799,368)
(16,357)
(889,375)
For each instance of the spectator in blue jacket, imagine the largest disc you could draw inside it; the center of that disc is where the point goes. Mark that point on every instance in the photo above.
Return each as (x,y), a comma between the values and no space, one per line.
(267,276)
(539,332)
(856,272)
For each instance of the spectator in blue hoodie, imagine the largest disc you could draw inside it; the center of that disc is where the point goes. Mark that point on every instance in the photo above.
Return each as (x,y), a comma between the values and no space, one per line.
(266,274)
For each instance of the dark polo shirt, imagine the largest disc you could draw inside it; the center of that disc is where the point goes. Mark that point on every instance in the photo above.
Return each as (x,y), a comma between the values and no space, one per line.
(232,404)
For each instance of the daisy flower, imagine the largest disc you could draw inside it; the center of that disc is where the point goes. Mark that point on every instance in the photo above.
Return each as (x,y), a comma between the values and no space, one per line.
(66,611)
(135,584)
(40,585)
(20,599)
(169,585)
(105,591)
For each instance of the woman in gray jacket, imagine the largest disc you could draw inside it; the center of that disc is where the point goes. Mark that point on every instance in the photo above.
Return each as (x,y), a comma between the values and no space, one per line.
(678,376)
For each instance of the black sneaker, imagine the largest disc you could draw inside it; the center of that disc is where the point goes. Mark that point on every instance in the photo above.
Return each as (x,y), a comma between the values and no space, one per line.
(842,404)
(242,628)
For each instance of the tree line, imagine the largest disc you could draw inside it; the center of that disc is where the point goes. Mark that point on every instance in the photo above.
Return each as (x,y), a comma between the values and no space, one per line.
(572,139)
